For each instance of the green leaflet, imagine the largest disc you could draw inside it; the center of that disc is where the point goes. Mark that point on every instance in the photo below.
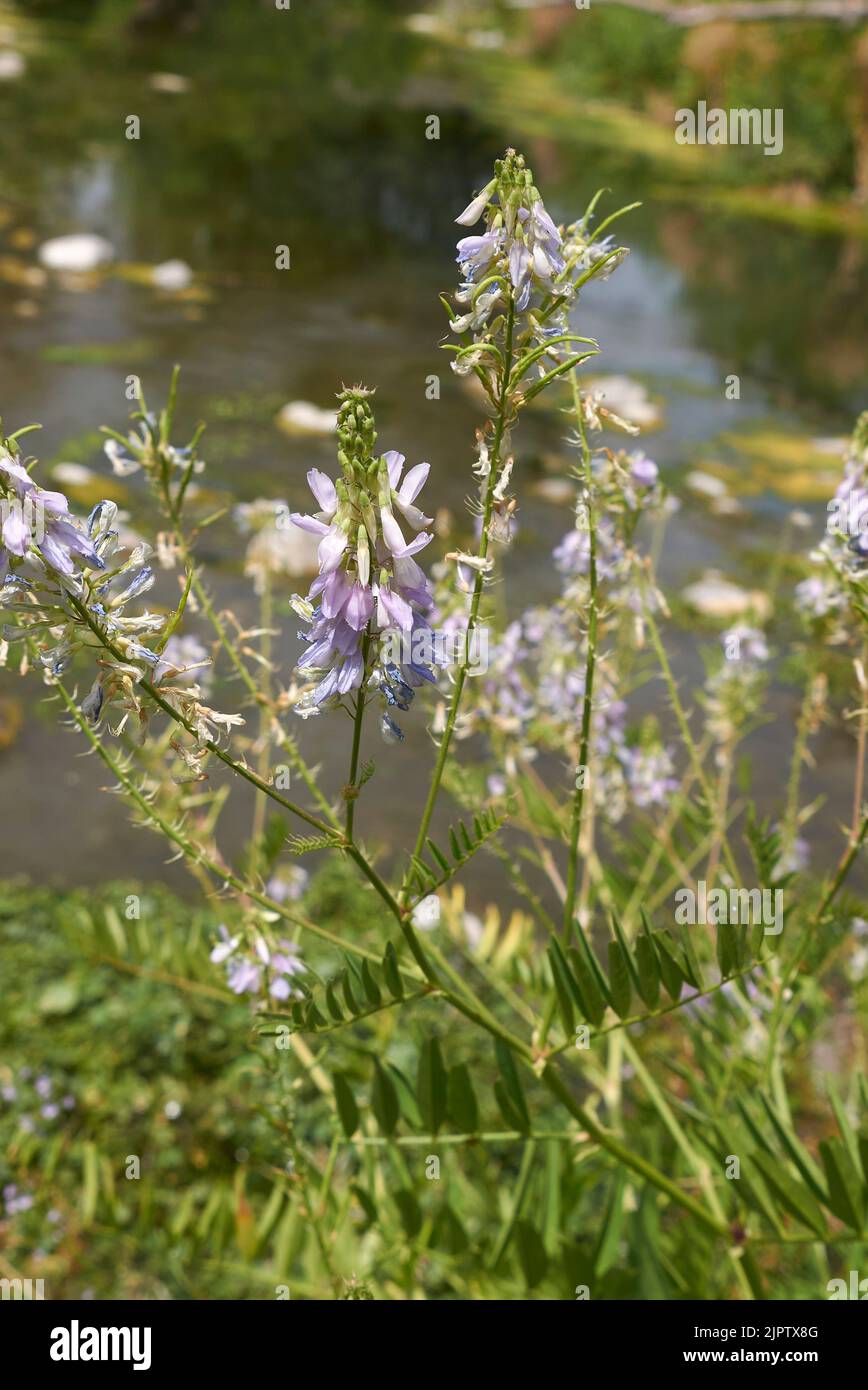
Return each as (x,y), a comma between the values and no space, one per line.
(566,988)
(796,1150)
(648,969)
(593,1003)
(511,1084)
(409,1211)
(670,970)
(461,1099)
(372,989)
(384,1101)
(625,947)
(431,1084)
(332,1004)
(407,1099)
(531,1253)
(391,973)
(512,1116)
(345,1101)
(620,985)
(425,877)
(846,1192)
(795,1198)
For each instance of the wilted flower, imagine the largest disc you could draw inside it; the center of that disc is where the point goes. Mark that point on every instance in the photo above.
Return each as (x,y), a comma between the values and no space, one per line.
(184,657)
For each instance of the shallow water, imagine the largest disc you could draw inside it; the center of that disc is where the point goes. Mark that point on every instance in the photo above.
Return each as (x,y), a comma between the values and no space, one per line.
(319,143)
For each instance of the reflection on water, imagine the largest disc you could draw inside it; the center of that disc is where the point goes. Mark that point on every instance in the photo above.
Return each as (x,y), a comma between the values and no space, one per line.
(315,138)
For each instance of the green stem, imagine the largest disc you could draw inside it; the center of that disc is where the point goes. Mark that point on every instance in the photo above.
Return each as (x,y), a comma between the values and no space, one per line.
(684,728)
(260,802)
(803,729)
(590,667)
(700,1168)
(194,852)
(524,1176)
(581,772)
(446,739)
(351,791)
(635,1162)
(502,1136)
(239,768)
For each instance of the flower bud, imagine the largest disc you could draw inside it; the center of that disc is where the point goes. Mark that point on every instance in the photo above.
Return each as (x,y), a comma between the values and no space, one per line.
(363,556)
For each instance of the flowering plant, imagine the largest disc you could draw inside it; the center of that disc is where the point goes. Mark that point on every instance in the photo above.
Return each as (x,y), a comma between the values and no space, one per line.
(596,805)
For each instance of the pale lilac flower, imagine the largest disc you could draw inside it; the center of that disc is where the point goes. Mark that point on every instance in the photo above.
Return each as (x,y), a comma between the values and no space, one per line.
(818,596)
(331,548)
(796,856)
(245,977)
(476,207)
(475,253)
(368,581)
(246,972)
(643,470)
(225,947)
(15,1201)
(288,885)
(649,775)
(58,542)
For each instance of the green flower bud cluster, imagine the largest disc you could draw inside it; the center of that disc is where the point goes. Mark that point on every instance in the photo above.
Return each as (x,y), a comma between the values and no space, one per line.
(356,434)
(515,188)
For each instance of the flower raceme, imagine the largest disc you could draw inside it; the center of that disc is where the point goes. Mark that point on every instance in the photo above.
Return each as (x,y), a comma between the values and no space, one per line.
(520,239)
(368,581)
(836,588)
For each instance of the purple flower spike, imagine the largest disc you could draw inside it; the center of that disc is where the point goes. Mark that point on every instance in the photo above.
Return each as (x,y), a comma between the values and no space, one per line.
(368,582)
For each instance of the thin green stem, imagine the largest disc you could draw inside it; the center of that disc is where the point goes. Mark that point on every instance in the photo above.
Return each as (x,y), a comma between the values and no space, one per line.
(482,554)
(590,667)
(260,802)
(351,790)
(635,1162)
(684,729)
(167,708)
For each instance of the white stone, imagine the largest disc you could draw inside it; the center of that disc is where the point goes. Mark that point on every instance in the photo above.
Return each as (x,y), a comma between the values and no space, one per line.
(73,474)
(627,398)
(716,597)
(706,484)
(559,491)
(726,506)
(12,65)
(78,253)
(300,417)
(172,275)
(173,83)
